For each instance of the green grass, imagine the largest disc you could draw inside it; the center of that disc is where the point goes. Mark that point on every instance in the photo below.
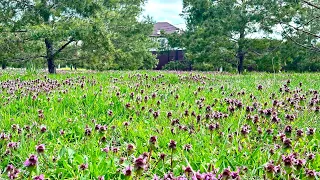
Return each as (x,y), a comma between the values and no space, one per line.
(72,102)
(69,69)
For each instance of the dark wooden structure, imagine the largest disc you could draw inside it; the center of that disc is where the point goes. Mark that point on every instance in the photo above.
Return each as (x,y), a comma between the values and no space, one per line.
(165,57)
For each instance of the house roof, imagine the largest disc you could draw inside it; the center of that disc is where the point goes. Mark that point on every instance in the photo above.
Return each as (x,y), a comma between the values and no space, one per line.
(165,26)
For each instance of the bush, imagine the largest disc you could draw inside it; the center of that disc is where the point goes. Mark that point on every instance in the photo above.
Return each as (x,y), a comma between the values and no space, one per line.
(203,67)
(188,65)
(178,66)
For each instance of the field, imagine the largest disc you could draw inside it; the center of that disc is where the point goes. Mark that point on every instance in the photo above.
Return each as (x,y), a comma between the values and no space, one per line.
(159,125)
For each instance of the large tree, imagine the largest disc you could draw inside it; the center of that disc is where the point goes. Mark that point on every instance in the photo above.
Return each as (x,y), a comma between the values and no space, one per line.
(304,30)
(220,31)
(102,33)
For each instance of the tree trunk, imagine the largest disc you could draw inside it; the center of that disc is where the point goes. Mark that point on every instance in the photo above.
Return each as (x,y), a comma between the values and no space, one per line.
(50,56)
(240,53)
(4,64)
(240,64)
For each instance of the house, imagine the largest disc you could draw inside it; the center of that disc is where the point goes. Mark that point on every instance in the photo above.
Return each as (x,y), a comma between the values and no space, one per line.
(168,53)
(164,26)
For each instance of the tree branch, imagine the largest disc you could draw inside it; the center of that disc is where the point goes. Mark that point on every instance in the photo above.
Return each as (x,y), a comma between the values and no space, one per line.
(313,48)
(255,52)
(310,21)
(311,4)
(64,46)
(307,32)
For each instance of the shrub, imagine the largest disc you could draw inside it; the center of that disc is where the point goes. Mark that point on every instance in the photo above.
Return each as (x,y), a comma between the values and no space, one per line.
(178,65)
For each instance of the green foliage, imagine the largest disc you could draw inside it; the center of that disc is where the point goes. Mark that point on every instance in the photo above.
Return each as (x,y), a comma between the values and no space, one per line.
(178,66)
(215,34)
(203,67)
(175,40)
(92,33)
(220,33)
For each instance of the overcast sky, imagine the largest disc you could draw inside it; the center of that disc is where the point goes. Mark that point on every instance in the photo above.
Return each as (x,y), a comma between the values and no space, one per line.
(169,10)
(165,11)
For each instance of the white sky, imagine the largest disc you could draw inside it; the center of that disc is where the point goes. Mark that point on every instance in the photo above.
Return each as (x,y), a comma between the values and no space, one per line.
(165,11)
(170,10)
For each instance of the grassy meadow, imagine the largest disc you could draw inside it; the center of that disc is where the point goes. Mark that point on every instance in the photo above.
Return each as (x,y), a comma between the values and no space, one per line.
(159,125)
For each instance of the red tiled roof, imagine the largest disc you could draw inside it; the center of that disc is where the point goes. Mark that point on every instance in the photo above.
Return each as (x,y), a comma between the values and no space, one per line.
(165,26)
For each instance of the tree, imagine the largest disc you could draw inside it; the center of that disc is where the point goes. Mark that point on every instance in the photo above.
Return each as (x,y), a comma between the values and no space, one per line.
(304,30)
(264,55)
(78,29)
(219,31)
(302,35)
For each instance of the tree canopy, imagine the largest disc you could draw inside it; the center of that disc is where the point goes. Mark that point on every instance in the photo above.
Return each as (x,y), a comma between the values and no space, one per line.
(223,32)
(99,34)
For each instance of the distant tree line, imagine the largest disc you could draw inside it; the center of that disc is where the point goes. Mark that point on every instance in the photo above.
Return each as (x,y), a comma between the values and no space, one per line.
(252,35)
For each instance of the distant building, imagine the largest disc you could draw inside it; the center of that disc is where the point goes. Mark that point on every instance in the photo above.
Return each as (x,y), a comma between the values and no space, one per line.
(171,54)
(164,26)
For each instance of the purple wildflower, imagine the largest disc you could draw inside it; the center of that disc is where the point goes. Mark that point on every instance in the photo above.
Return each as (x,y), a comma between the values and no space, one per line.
(155,177)
(245,129)
(13,174)
(311,173)
(101,178)
(61,132)
(12,145)
(162,156)
(130,148)
(299,163)
(139,163)
(153,141)
(287,143)
(311,156)
(127,171)
(40,177)
(269,167)
(10,168)
(226,173)
(43,129)
(172,145)
(187,147)
(188,171)
(106,149)
(31,161)
(40,148)
(299,133)
(83,167)
(310,131)
(87,131)
(288,160)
